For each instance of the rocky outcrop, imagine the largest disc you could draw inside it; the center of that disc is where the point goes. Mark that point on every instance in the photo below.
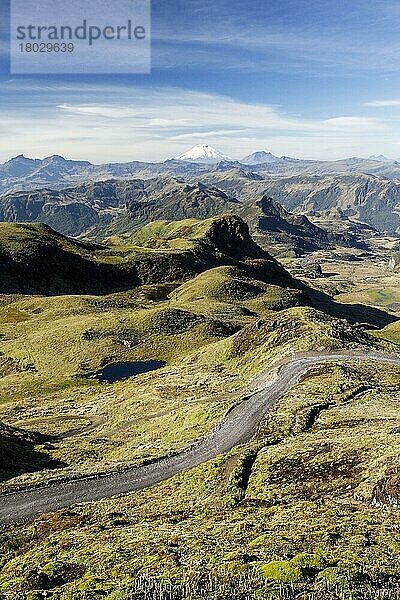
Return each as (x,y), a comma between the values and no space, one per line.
(276,225)
(366,198)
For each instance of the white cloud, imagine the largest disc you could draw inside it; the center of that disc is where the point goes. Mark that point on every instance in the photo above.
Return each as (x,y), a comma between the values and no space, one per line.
(158,123)
(354,123)
(382,103)
(159,108)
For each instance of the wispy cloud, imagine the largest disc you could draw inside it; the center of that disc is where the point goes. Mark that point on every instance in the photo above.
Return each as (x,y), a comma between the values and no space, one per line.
(303,37)
(157,123)
(382,103)
(354,123)
(159,108)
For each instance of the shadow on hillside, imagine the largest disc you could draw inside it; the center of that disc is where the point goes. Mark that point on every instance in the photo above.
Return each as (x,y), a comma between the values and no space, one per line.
(18,453)
(353,313)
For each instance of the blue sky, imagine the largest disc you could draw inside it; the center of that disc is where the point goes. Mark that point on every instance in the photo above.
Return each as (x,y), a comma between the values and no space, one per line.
(313,79)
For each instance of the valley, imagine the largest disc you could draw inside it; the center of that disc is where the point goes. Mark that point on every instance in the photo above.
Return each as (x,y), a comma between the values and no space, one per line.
(199,390)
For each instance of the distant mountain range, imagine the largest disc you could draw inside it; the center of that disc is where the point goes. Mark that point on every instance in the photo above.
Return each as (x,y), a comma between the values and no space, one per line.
(370,199)
(100,209)
(273,226)
(56,172)
(78,198)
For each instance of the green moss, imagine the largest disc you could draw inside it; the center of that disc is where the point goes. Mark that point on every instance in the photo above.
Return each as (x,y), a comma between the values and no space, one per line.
(342,577)
(309,561)
(281,571)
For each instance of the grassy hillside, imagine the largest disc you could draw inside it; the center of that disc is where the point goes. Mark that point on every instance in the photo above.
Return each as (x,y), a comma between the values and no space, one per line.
(36,259)
(308,507)
(297,510)
(50,344)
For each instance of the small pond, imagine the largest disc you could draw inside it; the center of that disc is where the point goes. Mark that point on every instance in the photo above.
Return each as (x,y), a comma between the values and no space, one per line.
(120,371)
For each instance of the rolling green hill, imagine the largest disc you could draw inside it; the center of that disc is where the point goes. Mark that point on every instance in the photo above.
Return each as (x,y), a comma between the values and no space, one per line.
(36,259)
(309,505)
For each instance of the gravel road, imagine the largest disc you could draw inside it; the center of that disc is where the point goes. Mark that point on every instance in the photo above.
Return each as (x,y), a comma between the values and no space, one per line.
(237,426)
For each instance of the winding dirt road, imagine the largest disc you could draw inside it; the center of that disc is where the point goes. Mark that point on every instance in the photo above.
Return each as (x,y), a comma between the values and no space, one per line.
(237,426)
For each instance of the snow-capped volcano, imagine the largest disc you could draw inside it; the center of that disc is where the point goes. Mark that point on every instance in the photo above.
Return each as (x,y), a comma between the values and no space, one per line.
(259,158)
(203,154)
